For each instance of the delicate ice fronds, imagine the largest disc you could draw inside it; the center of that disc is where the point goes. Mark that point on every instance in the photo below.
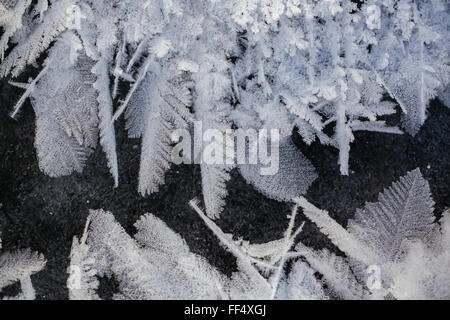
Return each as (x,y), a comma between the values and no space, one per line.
(396,237)
(41,36)
(415,86)
(170,252)
(156,152)
(158,106)
(105,113)
(309,66)
(415,53)
(11,12)
(117,253)
(58,153)
(210,110)
(142,75)
(19,266)
(403,211)
(158,266)
(293,178)
(214,179)
(65,104)
(315,63)
(140,105)
(153,234)
(376,234)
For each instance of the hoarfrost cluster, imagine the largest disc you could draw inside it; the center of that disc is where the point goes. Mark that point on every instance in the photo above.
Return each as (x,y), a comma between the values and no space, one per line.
(324,69)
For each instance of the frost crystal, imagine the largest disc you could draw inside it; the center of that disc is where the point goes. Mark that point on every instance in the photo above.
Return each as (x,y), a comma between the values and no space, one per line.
(293,178)
(393,246)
